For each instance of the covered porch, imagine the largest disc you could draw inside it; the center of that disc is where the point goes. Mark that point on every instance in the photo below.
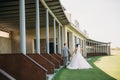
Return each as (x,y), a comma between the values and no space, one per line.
(33,27)
(97,48)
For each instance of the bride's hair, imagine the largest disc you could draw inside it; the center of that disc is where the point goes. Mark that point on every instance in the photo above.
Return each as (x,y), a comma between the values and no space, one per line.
(76,45)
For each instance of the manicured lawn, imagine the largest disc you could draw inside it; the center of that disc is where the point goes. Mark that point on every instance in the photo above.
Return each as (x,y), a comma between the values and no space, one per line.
(110,65)
(104,68)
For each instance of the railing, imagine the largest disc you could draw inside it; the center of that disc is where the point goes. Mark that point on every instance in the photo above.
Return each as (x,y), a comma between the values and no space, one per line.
(22,67)
(59,58)
(49,66)
(5,76)
(52,59)
(96,54)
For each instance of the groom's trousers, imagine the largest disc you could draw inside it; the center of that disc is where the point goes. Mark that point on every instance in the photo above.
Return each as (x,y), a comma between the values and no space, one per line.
(65,60)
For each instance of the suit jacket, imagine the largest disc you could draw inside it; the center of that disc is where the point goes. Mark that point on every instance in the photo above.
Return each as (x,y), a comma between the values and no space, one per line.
(65,51)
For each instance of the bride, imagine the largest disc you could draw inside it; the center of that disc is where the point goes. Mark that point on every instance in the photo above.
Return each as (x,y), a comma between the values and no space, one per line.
(78,62)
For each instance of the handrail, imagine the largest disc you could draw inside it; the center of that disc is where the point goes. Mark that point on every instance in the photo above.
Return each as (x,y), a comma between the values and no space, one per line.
(7,75)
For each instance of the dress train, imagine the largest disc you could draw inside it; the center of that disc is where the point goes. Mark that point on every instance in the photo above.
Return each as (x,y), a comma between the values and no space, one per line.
(78,61)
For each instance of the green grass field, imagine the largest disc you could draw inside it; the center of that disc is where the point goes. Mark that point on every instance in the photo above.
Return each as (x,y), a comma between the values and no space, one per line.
(104,68)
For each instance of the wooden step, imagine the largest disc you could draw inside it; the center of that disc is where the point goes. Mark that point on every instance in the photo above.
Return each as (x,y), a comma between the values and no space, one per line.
(52,59)
(49,66)
(58,58)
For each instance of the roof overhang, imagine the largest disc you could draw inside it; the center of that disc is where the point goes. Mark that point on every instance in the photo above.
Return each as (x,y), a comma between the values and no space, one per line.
(94,42)
(58,10)
(9,14)
(77,30)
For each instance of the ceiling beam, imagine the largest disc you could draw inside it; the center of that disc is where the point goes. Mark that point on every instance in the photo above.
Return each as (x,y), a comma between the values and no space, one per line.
(17,11)
(53,3)
(54,7)
(56,10)
(13,3)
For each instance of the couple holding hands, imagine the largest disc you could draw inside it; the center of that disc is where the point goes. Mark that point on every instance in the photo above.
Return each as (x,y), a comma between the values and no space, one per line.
(77,61)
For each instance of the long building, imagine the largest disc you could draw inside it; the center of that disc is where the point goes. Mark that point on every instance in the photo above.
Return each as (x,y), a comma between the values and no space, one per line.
(32,33)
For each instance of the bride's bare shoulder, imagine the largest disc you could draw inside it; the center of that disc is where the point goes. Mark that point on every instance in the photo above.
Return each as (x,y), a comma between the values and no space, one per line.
(75,50)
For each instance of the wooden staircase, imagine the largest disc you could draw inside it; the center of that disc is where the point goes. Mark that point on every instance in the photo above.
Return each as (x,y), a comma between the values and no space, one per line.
(30,66)
(49,66)
(22,67)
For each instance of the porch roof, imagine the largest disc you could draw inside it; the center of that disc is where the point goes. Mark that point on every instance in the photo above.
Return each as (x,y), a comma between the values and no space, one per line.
(58,10)
(9,14)
(94,42)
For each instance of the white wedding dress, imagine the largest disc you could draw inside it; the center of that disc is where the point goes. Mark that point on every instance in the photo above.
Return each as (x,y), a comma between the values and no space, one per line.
(78,61)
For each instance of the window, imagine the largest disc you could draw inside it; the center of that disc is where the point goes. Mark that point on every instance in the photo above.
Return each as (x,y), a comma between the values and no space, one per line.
(4,34)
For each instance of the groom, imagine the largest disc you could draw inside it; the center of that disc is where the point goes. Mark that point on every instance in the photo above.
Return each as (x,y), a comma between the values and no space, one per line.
(65,54)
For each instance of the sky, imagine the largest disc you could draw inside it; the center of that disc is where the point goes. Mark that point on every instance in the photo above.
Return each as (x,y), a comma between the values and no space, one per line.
(100,18)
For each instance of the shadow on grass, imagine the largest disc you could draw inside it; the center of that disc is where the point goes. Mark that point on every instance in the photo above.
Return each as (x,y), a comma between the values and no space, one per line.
(83,74)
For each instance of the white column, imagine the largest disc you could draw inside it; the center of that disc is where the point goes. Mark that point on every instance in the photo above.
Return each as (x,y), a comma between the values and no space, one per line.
(105,48)
(95,47)
(59,39)
(109,49)
(85,49)
(102,48)
(99,48)
(89,47)
(92,47)
(22,27)
(72,41)
(82,45)
(37,28)
(47,31)
(62,36)
(54,36)
(65,35)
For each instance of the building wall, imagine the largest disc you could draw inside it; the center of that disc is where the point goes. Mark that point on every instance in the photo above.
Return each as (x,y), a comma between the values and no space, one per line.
(72,34)
(30,37)
(5,45)
(13,43)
